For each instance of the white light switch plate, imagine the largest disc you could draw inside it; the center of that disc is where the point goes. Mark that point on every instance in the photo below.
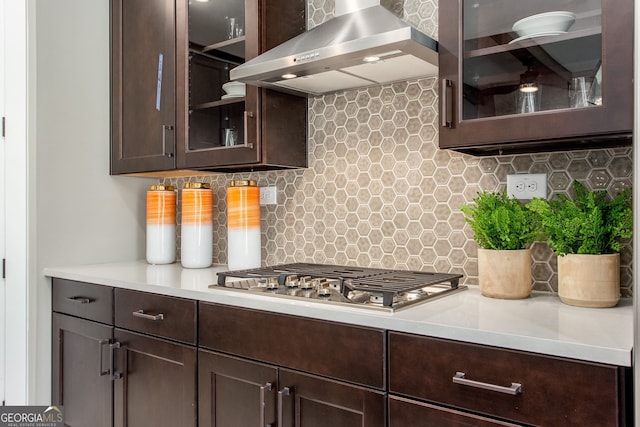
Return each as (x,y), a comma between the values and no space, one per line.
(527,185)
(268,196)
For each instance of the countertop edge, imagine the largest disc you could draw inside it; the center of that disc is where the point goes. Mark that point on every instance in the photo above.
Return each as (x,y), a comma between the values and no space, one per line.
(619,355)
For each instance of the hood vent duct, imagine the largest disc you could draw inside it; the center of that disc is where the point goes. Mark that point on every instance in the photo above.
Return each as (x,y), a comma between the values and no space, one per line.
(365,44)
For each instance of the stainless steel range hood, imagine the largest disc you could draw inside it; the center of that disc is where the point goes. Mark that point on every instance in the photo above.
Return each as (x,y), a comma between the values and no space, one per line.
(365,44)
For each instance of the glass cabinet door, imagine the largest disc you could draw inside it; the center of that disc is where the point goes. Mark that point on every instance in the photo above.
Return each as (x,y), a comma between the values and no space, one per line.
(539,56)
(216,37)
(536,75)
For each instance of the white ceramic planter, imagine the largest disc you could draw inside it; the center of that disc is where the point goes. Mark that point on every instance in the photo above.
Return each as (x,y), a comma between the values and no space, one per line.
(504,274)
(589,280)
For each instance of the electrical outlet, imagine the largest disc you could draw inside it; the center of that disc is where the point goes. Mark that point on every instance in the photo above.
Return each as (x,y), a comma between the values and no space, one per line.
(268,196)
(527,185)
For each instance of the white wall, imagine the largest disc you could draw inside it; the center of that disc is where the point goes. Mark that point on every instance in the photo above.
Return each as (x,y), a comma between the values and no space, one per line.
(79,213)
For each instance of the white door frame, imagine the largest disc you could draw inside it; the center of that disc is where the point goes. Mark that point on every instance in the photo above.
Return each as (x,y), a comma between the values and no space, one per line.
(16,91)
(2,210)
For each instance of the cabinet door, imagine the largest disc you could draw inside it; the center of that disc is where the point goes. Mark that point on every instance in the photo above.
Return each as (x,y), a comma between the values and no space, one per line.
(220,128)
(235,392)
(81,380)
(310,401)
(220,125)
(143,40)
(412,413)
(158,382)
(512,81)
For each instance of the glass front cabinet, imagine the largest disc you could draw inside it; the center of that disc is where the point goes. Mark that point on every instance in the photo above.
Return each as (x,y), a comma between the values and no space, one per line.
(220,125)
(534,76)
(173,104)
(228,124)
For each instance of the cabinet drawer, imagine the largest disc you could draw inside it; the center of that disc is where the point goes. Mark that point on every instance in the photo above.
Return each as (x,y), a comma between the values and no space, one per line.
(412,413)
(93,302)
(345,352)
(554,391)
(164,316)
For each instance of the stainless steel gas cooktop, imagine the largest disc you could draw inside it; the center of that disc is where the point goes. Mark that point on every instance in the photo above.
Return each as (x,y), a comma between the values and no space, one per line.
(374,288)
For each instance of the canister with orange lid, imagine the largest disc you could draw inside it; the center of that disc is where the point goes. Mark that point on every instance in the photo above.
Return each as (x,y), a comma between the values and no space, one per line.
(243,225)
(197,225)
(161,224)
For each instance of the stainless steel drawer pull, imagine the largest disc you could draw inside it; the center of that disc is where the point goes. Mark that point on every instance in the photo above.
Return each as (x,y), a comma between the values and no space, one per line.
(166,152)
(286,391)
(247,115)
(515,388)
(446,103)
(143,315)
(263,389)
(113,347)
(102,372)
(79,300)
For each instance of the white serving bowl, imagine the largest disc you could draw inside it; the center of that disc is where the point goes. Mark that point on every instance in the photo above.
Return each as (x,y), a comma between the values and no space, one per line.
(549,22)
(234,88)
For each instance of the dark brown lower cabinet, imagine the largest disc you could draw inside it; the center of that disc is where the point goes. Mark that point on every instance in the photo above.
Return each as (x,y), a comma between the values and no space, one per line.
(511,385)
(157,382)
(412,413)
(311,401)
(81,380)
(237,392)
(174,362)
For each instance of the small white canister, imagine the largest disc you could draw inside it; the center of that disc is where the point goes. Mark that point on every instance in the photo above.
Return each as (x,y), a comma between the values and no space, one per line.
(197,225)
(243,225)
(161,224)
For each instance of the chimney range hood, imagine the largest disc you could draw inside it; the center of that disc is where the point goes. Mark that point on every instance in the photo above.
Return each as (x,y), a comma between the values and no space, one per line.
(365,44)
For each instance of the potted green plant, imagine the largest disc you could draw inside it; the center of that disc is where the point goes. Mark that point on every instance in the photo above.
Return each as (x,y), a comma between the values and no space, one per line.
(504,228)
(586,233)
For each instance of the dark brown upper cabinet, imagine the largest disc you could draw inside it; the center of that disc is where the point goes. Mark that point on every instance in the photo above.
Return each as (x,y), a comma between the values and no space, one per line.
(143,85)
(540,77)
(169,107)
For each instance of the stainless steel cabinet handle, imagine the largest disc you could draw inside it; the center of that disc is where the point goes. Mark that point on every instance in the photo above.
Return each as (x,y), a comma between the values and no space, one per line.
(141,314)
(515,388)
(102,372)
(446,103)
(79,300)
(286,391)
(165,128)
(263,389)
(247,115)
(114,375)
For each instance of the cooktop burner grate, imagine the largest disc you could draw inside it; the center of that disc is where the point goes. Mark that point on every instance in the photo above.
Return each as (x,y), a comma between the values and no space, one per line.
(391,285)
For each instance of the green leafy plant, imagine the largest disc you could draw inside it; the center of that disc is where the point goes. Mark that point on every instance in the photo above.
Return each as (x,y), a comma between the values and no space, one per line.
(591,223)
(501,222)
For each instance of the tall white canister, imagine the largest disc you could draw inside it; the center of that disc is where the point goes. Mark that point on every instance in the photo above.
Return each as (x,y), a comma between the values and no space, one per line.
(161,224)
(197,225)
(243,225)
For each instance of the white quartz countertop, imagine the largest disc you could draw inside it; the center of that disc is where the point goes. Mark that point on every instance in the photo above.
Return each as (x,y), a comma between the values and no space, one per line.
(539,324)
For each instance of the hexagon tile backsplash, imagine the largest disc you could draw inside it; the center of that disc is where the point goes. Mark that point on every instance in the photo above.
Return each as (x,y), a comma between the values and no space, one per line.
(379,192)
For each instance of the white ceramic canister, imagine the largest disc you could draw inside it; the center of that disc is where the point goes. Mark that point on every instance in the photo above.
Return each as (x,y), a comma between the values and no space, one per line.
(243,225)
(197,225)
(161,224)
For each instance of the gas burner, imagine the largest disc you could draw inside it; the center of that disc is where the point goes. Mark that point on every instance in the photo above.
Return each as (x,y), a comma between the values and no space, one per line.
(292,282)
(383,289)
(375,298)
